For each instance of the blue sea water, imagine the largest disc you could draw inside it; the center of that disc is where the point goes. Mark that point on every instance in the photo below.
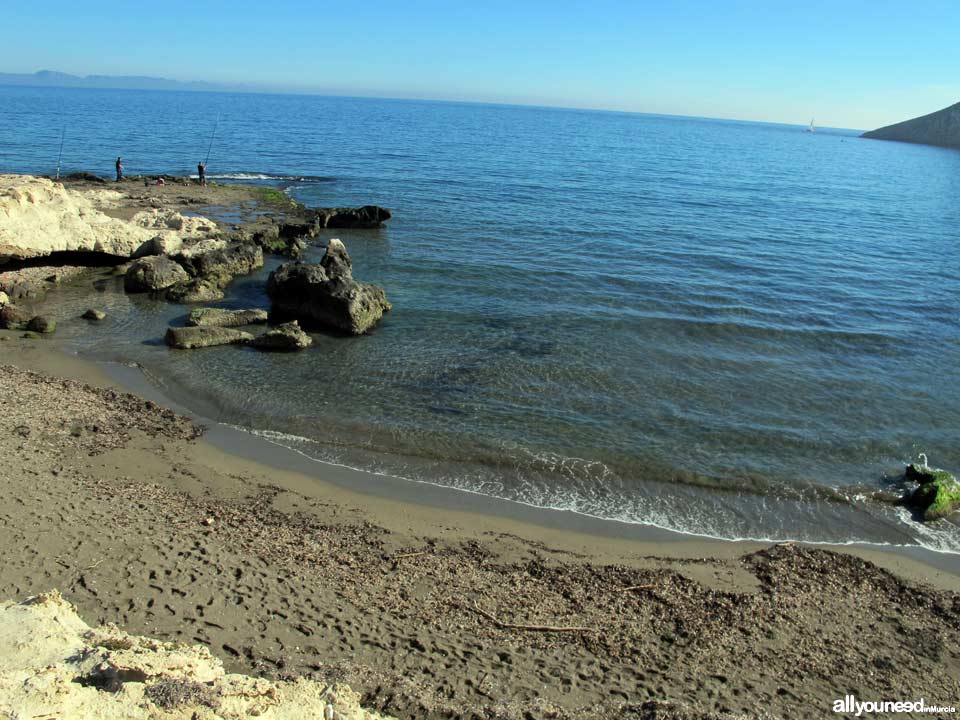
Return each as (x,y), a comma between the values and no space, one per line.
(724,328)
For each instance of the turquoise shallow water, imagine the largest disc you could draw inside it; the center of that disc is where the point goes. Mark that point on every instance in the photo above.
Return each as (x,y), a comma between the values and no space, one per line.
(725,328)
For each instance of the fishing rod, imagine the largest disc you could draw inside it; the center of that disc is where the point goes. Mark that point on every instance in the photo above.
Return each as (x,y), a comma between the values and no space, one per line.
(212,135)
(63,134)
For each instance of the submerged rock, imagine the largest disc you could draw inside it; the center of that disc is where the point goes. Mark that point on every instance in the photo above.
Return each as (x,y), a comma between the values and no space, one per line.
(287,336)
(153,273)
(42,324)
(14,317)
(938,494)
(218,317)
(93,314)
(326,295)
(188,338)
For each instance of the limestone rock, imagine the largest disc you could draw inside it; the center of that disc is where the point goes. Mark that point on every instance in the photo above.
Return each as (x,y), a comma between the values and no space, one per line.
(287,336)
(41,217)
(154,273)
(326,295)
(52,665)
(188,338)
(219,317)
(213,270)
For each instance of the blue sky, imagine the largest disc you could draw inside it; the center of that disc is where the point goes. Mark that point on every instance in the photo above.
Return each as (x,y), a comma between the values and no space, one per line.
(848,63)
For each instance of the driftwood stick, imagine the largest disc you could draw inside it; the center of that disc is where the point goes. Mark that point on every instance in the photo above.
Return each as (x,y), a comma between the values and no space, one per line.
(637,587)
(532,628)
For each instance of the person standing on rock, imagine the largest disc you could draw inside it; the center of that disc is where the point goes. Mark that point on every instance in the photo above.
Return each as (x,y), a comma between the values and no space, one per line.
(202,172)
(119,168)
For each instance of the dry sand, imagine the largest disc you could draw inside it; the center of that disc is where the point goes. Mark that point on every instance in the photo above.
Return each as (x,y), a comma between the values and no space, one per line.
(118,503)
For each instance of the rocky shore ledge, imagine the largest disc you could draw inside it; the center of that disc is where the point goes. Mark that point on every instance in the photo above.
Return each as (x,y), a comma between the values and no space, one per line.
(157,237)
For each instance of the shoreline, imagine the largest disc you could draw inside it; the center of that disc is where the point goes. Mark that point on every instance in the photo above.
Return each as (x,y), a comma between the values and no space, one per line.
(383,496)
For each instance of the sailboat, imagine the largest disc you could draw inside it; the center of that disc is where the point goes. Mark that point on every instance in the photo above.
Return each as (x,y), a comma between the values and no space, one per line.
(811,129)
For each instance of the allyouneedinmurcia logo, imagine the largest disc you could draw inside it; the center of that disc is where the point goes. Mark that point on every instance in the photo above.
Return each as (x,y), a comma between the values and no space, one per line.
(850,704)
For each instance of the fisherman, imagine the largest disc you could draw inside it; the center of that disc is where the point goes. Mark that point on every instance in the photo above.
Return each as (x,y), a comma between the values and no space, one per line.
(202,172)
(119,168)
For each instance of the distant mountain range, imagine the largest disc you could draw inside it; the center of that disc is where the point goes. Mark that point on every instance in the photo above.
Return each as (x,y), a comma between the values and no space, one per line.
(941,128)
(51,78)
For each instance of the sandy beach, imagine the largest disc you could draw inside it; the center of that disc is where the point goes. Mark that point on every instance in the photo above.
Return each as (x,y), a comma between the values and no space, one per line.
(126,509)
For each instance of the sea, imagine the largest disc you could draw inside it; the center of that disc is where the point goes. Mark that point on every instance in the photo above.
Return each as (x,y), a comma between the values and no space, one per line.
(722,328)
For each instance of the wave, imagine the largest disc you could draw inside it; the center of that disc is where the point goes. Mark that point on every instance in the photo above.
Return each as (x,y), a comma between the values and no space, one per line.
(674,511)
(270,176)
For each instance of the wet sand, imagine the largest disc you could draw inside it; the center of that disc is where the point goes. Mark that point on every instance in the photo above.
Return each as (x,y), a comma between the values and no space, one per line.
(448,608)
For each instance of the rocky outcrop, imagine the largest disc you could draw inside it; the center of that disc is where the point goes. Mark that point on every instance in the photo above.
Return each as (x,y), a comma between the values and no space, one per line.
(39,217)
(368,216)
(188,338)
(326,295)
(219,317)
(941,128)
(211,271)
(152,274)
(938,494)
(52,665)
(285,337)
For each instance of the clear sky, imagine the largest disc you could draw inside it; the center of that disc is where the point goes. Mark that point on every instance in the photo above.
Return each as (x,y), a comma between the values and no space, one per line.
(847,63)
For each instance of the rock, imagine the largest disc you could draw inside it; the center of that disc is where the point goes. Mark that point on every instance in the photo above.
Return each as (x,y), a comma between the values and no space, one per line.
(53,665)
(42,217)
(938,494)
(31,335)
(153,273)
(4,299)
(42,324)
(160,245)
(187,338)
(326,295)
(368,216)
(202,247)
(213,270)
(218,317)
(92,314)
(195,291)
(13,317)
(287,336)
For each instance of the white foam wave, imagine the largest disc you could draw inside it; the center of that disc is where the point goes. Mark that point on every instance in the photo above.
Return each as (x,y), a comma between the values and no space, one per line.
(926,537)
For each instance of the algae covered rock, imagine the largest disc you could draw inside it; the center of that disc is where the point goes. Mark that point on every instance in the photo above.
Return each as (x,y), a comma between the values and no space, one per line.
(219,317)
(187,338)
(42,324)
(938,494)
(285,337)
